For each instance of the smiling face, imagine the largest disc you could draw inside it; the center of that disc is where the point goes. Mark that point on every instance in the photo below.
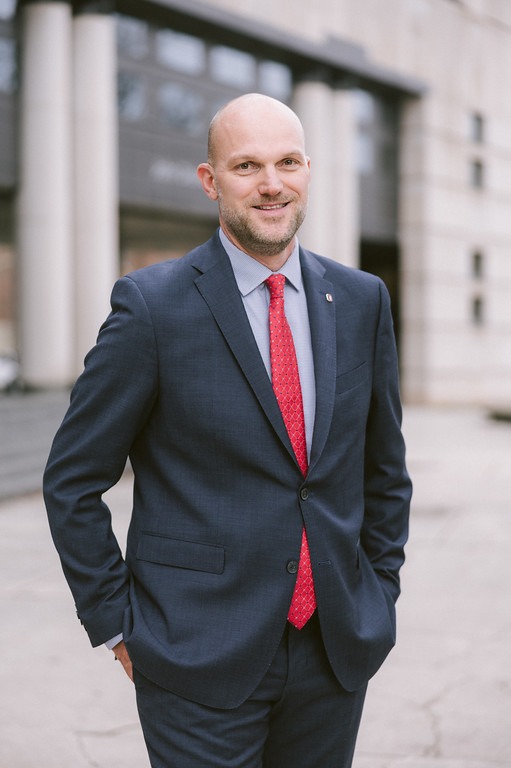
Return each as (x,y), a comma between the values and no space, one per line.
(259,175)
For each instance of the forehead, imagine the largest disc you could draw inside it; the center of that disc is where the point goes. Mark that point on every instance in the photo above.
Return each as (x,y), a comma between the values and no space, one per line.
(265,134)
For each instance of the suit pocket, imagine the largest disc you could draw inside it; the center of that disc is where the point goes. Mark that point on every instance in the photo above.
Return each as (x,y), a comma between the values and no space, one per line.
(179,553)
(351,379)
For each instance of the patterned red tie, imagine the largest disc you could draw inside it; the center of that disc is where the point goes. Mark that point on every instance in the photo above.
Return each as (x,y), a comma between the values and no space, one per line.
(286,385)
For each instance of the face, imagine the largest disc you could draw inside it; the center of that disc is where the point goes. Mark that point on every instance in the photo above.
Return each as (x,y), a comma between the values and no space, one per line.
(259,175)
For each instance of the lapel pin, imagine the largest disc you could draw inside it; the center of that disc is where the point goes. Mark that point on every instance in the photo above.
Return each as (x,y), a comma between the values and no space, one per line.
(329,297)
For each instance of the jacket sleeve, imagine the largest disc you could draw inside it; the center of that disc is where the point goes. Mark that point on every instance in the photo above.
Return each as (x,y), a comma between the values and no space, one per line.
(109,404)
(387,484)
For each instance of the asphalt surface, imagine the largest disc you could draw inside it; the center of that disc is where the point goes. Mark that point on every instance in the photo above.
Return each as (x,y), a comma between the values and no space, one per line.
(443,697)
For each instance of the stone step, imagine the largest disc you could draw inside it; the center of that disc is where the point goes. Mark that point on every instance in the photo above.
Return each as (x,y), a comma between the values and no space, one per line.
(28,422)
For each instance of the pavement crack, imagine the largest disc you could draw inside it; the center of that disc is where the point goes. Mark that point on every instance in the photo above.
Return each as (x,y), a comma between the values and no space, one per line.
(111,732)
(435,747)
(84,737)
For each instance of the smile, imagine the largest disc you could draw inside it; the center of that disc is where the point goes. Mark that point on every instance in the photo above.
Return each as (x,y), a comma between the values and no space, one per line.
(274,207)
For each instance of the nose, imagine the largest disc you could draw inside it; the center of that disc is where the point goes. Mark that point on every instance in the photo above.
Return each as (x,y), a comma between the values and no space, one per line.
(270,182)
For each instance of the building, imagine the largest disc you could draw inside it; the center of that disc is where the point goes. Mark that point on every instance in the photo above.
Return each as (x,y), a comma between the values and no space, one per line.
(104,108)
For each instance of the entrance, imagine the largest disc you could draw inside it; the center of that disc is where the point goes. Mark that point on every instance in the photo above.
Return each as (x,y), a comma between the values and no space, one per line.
(382,259)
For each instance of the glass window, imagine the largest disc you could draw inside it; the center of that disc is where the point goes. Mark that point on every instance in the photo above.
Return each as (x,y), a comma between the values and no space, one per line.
(176,172)
(7,9)
(477,127)
(7,65)
(180,52)
(182,108)
(365,107)
(477,174)
(477,265)
(232,67)
(275,79)
(365,153)
(131,96)
(132,37)
(477,310)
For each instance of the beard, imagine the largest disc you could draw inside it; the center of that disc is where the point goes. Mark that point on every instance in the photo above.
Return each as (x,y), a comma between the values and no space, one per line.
(261,240)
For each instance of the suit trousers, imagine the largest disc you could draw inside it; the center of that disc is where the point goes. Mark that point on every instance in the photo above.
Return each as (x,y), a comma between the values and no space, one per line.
(298,716)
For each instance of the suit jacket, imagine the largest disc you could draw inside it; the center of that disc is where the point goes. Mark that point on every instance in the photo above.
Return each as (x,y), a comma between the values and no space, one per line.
(176,382)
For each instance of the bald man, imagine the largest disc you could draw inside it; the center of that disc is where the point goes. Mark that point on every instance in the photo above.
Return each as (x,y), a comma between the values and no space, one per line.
(254,387)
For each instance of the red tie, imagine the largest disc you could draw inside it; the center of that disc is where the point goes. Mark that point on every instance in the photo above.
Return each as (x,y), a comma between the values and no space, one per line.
(286,385)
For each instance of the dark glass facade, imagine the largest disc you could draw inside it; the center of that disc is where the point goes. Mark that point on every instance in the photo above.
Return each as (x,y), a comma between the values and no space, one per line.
(170,84)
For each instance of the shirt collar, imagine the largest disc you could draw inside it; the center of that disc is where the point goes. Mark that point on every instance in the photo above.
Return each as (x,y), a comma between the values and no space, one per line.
(250,274)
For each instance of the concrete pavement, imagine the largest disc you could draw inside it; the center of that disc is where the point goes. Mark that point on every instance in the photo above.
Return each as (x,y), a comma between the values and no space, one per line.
(28,422)
(443,698)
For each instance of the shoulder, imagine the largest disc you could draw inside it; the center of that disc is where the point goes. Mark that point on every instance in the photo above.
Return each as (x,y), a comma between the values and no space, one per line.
(174,268)
(173,276)
(346,278)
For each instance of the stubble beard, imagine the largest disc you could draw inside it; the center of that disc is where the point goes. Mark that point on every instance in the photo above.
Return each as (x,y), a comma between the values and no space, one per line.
(252,238)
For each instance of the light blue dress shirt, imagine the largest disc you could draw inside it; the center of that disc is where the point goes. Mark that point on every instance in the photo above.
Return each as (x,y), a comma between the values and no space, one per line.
(250,276)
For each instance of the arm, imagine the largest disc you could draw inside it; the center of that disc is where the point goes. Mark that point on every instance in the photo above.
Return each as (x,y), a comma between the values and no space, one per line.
(387,484)
(109,405)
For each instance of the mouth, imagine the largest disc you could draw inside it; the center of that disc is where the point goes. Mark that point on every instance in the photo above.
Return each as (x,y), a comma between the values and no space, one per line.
(271,207)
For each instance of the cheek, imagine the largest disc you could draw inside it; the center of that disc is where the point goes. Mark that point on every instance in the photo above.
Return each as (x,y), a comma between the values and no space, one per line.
(302,188)
(230,194)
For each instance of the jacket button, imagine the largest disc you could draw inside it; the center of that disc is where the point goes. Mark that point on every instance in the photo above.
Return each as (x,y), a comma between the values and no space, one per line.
(304,494)
(292,566)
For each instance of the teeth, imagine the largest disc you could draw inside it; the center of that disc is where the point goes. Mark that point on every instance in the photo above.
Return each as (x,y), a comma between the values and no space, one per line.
(271,207)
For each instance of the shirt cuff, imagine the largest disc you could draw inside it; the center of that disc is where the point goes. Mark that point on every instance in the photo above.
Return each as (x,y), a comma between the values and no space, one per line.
(113,641)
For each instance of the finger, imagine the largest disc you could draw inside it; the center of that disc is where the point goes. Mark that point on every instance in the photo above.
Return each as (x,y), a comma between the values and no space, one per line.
(128,668)
(121,654)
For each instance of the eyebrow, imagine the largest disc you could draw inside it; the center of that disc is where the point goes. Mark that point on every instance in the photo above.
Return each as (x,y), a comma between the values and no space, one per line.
(242,157)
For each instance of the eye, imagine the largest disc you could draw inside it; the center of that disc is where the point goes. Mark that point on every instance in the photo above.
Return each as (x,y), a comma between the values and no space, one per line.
(245,167)
(290,162)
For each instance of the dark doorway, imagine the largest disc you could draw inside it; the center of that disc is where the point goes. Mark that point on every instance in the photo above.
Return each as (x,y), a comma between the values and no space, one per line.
(382,259)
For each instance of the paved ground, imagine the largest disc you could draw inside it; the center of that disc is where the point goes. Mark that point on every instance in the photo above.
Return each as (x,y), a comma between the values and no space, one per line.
(27,425)
(443,698)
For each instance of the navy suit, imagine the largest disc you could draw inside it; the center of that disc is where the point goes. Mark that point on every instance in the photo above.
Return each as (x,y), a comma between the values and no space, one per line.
(176,382)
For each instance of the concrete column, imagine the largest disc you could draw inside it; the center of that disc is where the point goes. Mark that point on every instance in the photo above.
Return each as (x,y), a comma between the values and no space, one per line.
(95,175)
(332,224)
(346,219)
(416,254)
(313,102)
(45,196)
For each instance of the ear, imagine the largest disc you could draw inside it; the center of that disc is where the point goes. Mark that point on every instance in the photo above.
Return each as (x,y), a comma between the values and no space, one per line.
(207,180)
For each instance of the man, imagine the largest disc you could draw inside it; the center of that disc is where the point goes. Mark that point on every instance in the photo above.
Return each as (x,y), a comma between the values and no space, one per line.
(256,597)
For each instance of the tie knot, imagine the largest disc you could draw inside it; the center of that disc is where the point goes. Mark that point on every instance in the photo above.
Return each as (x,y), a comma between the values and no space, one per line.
(276,285)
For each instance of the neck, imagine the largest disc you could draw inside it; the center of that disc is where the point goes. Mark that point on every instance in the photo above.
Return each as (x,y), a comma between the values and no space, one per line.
(274,262)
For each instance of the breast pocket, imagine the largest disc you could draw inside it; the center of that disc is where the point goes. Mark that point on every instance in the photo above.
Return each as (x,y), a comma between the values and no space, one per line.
(352,379)
(179,553)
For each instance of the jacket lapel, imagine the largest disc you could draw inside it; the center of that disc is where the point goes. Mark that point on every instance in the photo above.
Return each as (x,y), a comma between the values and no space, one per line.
(217,285)
(322,318)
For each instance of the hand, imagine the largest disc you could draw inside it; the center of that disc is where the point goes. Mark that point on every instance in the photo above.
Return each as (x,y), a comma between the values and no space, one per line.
(122,655)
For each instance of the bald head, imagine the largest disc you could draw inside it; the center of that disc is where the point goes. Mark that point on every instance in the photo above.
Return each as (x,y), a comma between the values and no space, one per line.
(250,109)
(258,173)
